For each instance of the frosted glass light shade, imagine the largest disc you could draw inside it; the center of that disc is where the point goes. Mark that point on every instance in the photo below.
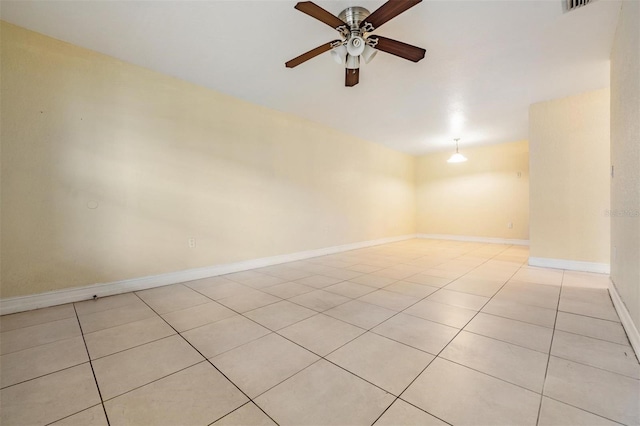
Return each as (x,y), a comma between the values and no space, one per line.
(457,158)
(339,54)
(368,54)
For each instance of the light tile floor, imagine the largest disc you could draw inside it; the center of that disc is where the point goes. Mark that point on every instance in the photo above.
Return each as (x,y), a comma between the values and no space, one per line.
(419,332)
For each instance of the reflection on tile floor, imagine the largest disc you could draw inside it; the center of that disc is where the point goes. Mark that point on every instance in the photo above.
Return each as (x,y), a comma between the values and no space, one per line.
(419,332)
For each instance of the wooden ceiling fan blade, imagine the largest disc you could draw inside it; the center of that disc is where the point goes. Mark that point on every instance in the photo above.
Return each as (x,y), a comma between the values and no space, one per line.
(386,12)
(312,54)
(315,11)
(398,48)
(352,77)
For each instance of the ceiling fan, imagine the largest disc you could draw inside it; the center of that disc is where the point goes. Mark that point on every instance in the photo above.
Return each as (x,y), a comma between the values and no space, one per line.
(355,25)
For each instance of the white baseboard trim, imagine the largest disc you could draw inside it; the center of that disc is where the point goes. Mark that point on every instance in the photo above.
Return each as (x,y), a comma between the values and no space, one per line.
(625,318)
(571,265)
(76,294)
(469,238)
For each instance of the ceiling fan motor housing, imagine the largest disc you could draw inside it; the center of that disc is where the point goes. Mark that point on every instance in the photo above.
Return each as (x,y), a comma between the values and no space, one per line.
(353,16)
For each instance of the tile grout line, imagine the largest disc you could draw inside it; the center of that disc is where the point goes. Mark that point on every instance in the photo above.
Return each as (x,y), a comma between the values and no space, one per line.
(456,335)
(546,370)
(206,359)
(586,411)
(369,330)
(320,357)
(316,313)
(91,364)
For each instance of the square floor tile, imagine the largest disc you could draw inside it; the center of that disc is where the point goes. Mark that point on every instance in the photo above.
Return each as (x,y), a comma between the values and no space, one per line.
(364,315)
(288,290)
(41,334)
(285,272)
(263,281)
(478,286)
(590,302)
(539,275)
(544,296)
(441,313)
(197,316)
(172,298)
(49,398)
(221,336)
(442,273)
(411,289)
(343,274)
(263,363)
(404,414)
(243,276)
(519,333)
(247,415)
(127,370)
(461,300)
(35,317)
(585,280)
(511,363)
(105,303)
(304,399)
(321,334)
(413,331)
(459,395)
(606,394)
(93,416)
(381,361)
(398,272)
(429,280)
(349,289)
(249,301)
(531,314)
(597,353)
(611,331)
(115,339)
(389,299)
(196,395)
(320,300)
(218,288)
(318,281)
(279,315)
(555,413)
(115,317)
(364,268)
(40,360)
(373,280)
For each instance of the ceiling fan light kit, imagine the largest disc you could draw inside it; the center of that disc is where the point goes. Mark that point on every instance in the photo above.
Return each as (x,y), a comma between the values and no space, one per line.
(355,25)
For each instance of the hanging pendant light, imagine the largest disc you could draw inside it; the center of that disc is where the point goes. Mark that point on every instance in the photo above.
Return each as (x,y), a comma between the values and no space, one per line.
(457,157)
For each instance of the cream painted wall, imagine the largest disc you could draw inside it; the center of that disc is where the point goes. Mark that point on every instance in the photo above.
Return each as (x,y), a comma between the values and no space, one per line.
(108,169)
(476,198)
(569,170)
(625,156)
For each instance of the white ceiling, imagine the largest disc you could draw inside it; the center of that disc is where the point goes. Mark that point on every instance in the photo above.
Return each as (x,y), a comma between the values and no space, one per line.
(486,61)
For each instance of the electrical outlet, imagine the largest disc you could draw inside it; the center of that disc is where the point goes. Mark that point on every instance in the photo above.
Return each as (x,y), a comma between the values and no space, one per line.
(191,242)
(519,175)
(510,225)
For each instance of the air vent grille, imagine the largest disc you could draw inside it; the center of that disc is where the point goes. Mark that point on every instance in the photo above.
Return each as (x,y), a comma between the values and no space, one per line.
(574,4)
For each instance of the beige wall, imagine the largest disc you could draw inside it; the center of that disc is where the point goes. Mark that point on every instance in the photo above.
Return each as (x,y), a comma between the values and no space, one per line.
(476,198)
(569,167)
(165,161)
(625,156)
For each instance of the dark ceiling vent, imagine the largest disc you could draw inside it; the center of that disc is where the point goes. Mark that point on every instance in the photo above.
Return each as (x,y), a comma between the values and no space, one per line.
(570,5)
